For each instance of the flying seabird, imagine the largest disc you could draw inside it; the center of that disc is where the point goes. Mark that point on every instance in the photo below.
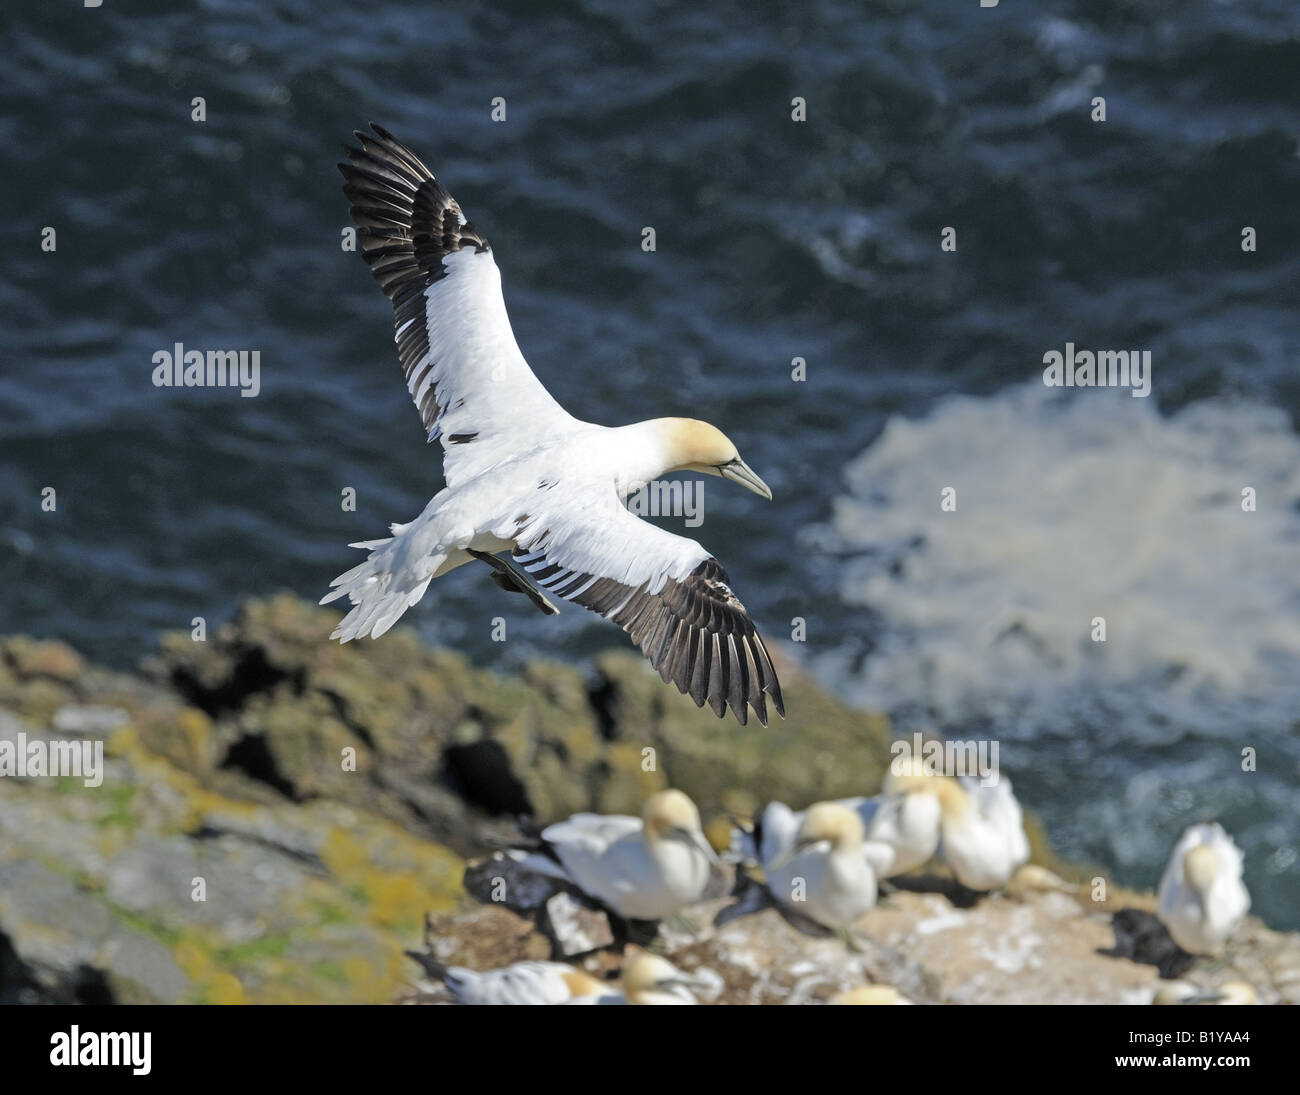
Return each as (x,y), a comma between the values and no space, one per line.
(525,476)
(640,868)
(1202,899)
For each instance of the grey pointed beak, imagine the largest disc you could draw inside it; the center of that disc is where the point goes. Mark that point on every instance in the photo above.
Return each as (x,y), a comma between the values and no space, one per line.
(699,842)
(740,472)
(704,846)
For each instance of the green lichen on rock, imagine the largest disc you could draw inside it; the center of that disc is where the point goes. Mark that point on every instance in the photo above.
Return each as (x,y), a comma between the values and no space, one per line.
(320,799)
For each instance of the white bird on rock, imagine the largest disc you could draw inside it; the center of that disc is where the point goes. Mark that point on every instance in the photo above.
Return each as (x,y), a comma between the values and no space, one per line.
(640,868)
(1202,899)
(981,829)
(815,863)
(522,474)
(904,817)
(647,979)
(776,828)
(521,983)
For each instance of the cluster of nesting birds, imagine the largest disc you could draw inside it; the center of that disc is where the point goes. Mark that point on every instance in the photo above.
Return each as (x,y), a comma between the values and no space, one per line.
(822,866)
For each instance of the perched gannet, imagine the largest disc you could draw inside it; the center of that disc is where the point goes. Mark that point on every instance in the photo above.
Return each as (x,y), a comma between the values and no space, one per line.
(525,476)
(647,979)
(1202,898)
(870,994)
(640,868)
(981,830)
(819,869)
(776,827)
(521,983)
(904,817)
(901,825)
(1183,992)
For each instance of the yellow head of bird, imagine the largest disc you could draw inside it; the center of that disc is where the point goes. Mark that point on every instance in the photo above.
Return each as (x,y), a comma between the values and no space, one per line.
(698,446)
(831,822)
(1200,867)
(648,975)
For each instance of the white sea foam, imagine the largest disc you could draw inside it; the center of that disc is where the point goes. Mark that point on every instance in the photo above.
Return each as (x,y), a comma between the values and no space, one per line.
(1072,506)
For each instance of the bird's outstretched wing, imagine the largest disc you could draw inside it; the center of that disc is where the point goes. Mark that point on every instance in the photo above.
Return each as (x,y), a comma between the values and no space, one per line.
(667,592)
(473,388)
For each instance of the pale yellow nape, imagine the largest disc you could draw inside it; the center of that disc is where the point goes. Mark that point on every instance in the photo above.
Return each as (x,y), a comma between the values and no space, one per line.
(668,810)
(867,994)
(645,972)
(954,800)
(696,445)
(832,822)
(1201,865)
(580,983)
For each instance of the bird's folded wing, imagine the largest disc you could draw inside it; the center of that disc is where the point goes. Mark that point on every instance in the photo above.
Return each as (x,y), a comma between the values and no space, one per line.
(779,826)
(463,367)
(665,591)
(594,832)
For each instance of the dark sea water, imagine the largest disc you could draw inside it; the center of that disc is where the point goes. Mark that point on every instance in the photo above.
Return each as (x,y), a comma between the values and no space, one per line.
(775,240)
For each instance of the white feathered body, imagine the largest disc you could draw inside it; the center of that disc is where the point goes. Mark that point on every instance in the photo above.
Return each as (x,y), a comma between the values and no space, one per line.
(984,840)
(833,887)
(908,824)
(483,513)
(1199,922)
(609,858)
(521,983)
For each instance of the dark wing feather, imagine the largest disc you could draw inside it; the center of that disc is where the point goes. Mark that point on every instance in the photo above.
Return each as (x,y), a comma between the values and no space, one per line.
(694,631)
(407,223)
(463,367)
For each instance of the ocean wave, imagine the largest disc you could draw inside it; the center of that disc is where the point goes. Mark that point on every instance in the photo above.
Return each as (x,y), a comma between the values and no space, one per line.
(1071,508)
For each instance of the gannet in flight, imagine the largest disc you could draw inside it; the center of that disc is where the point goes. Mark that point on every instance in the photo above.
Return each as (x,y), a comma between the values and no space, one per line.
(1202,899)
(817,869)
(640,868)
(521,983)
(525,476)
(647,979)
(981,831)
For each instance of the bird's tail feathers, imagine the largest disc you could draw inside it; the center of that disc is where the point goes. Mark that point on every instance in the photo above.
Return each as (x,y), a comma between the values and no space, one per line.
(382,588)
